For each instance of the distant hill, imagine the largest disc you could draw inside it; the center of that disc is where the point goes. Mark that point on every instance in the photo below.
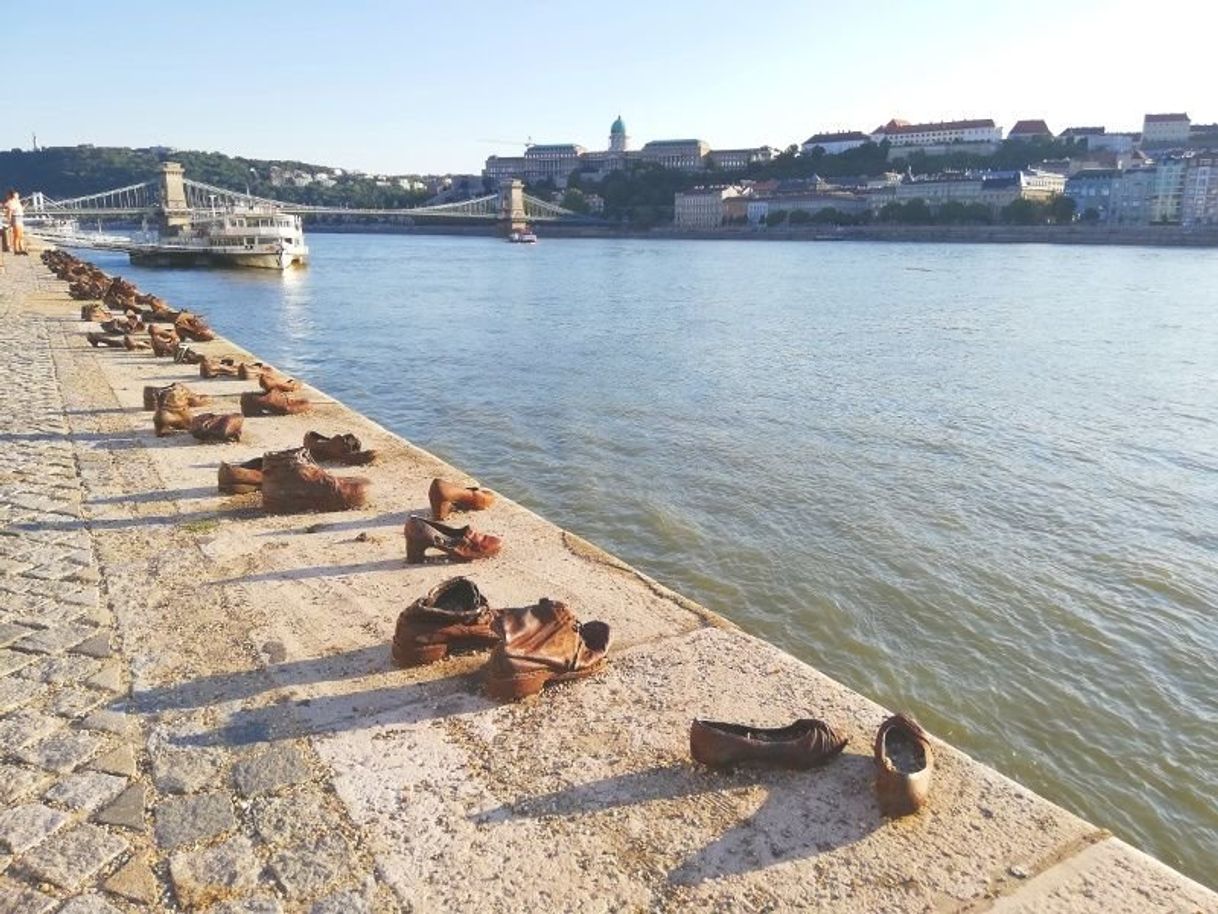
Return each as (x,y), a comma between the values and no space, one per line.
(73,171)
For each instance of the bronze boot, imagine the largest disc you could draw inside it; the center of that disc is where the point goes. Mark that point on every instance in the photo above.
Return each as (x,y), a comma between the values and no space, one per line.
(292,483)
(542,643)
(452,616)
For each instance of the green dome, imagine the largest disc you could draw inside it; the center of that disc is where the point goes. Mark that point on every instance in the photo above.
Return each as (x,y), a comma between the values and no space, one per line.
(618,127)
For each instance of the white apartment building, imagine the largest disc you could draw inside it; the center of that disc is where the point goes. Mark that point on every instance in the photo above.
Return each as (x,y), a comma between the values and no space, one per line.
(701,208)
(899,133)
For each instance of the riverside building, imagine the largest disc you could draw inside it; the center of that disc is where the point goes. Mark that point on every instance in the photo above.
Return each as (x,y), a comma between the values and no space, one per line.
(702,208)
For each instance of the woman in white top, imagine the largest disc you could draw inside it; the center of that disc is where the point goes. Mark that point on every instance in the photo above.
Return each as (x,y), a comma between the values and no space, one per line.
(14,216)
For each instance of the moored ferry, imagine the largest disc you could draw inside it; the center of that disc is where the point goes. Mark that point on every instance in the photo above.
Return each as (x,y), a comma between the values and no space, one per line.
(253,237)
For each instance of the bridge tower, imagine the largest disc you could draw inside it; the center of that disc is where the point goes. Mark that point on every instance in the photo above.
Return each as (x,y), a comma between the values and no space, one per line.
(511,206)
(175,211)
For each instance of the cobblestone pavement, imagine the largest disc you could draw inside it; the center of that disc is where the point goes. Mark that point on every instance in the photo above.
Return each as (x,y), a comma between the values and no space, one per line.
(105,806)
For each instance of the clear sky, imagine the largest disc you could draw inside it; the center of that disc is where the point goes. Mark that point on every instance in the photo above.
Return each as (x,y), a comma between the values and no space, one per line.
(404,87)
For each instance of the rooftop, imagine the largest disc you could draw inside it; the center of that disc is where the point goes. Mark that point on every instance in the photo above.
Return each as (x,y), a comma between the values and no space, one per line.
(1030,127)
(1165,118)
(900,128)
(836,137)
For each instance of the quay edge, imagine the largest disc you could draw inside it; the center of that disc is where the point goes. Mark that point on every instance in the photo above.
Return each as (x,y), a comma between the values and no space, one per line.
(260,682)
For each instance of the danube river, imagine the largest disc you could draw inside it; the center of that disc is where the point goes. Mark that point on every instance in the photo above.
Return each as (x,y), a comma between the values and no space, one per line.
(977,482)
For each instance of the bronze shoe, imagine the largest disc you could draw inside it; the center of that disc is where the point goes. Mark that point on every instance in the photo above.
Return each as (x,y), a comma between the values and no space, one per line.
(345,449)
(239,478)
(904,765)
(216,368)
(249,371)
(542,643)
(186,355)
(175,395)
(105,339)
(164,342)
(133,342)
(292,483)
(804,744)
(459,543)
(192,327)
(214,427)
(446,497)
(452,616)
(270,380)
(170,418)
(273,403)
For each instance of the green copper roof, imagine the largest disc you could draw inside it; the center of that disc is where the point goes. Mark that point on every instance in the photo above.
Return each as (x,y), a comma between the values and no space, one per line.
(618,127)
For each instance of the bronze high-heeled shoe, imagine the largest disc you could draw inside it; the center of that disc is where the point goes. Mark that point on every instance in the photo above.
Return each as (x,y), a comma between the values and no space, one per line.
(447,496)
(460,543)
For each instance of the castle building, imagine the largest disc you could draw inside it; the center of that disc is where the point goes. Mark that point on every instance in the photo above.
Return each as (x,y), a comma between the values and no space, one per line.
(618,140)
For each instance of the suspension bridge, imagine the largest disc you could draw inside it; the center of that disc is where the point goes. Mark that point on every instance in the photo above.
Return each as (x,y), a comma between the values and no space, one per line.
(176,200)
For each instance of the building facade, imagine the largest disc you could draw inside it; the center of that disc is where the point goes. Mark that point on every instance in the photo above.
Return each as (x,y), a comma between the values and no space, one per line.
(739,159)
(1165,130)
(701,209)
(551,161)
(1199,203)
(942,133)
(1131,196)
(1167,190)
(1094,189)
(679,155)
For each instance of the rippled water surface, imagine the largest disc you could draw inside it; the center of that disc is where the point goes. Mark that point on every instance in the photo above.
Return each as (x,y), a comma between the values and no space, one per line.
(979,482)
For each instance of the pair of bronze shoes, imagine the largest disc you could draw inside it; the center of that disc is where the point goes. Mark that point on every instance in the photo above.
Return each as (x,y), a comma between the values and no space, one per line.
(242,478)
(271,403)
(462,544)
(293,484)
(531,645)
(904,759)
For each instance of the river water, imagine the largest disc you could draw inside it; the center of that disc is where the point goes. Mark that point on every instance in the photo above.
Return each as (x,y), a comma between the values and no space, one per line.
(977,482)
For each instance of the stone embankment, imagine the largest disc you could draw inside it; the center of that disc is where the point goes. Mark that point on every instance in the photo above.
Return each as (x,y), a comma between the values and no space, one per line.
(199,711)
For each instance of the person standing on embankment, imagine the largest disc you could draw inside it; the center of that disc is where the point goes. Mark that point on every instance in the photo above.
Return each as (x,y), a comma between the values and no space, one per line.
(14,218)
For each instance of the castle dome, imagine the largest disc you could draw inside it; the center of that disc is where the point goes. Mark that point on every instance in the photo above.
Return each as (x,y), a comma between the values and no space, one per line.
(618,128)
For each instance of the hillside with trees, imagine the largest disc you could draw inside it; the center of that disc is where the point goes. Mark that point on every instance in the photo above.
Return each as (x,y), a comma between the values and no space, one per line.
(72,171)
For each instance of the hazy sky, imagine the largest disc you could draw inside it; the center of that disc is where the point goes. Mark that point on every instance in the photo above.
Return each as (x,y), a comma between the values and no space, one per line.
(432,87)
